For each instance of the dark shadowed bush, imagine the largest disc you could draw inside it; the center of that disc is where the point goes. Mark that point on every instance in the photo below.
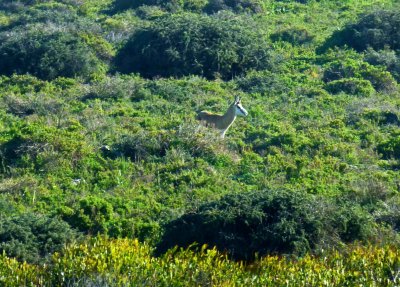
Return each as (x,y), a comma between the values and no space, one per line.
(390,148)
(116,88)
(120,5)
(377,30)
(252,6)
(223,45)
(267,222)
(33,237)
(46,54)
(208,6)
(294,36)
(140,146)
(386,58)
(169,5)
(351,86)
(263,82)
(91,215)
(347,73)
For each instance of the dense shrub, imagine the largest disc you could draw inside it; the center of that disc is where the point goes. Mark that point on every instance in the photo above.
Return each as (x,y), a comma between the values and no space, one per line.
(387,58)
(263,82)
(253,6)
(357,71)
(140,146)
(208,6)
(390,148)
(116,88)
(390,213)
(119,5)
(169,5)
(377,30)
(295,36)
(351,86)
(33,237)
(381,117)
(209,46)
(265,222)
(46,55)
(91,215)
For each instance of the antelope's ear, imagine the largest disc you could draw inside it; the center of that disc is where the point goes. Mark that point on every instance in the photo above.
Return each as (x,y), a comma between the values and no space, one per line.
(237,100)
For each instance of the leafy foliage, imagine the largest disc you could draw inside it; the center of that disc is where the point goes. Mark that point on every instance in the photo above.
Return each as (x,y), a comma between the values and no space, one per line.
(32,237)
(253,6)
(122,156)
(123,261)
(208,6)
(376,30)
(262,223)
(46,55)
(295,36)
(179,45)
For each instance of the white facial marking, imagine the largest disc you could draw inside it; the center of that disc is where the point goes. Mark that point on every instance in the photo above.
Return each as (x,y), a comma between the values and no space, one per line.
(240,111)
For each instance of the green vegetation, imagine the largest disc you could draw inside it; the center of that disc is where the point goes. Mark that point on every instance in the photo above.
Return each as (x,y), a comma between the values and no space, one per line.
(104,169)
(126,262)
(184,44)
(268,222)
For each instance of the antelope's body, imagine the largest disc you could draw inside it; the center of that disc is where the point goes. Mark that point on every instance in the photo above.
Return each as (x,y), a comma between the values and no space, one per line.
(222,122)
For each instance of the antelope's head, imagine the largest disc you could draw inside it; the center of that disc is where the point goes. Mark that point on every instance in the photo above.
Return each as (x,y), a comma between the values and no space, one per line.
(239,110)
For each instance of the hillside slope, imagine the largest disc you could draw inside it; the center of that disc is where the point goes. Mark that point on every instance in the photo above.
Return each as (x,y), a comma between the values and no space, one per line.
(98,135)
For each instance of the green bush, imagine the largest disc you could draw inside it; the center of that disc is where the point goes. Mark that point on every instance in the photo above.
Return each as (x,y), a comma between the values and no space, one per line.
(252,6)
(46,54)
(350,70)
(211,46)
(208,6)
(377,30)
(294,36)
(140,146)
(263,82)
(120,5)
(91,215)
(351,86)
(267,222)
(390,148)
(116,88)
(387,58)
(32,237)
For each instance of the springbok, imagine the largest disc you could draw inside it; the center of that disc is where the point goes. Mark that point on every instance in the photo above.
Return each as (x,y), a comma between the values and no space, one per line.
(222,122)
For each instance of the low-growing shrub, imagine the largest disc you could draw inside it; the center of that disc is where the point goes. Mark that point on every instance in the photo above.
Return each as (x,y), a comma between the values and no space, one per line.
(91,215)
(386,58)
(140,146)
(32,237)
(294,36)
(116,88)
(352,69)
(252,6)
(351,86)
(263,82)
(390,148)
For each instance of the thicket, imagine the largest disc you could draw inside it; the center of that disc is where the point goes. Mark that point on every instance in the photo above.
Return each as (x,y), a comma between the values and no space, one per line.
(268,222)
(377,30)
(207,6)
(46,55)
(31,237)
(223,46)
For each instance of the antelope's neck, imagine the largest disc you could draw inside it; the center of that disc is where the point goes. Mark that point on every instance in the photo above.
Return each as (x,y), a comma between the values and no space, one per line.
(229,117)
